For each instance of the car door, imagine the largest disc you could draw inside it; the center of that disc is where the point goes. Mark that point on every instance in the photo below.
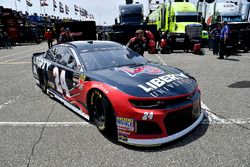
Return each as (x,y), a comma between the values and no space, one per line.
(66,76)
(56,54)
(70,73)
(75,80)
(73,75)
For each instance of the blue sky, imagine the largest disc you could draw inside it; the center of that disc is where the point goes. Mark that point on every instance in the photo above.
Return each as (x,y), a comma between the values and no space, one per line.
(103,10)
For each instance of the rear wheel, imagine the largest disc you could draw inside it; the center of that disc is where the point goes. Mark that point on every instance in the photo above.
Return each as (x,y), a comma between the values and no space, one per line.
(103,114)
(168,51)
(246,50)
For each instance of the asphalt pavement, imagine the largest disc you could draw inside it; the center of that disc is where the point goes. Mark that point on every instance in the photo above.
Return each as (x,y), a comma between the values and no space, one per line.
(38,131)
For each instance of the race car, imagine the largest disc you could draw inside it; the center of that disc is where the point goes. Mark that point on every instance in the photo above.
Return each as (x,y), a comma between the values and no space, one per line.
(140,102)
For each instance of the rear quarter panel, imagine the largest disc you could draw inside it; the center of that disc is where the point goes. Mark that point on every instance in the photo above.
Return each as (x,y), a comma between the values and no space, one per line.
(38,63)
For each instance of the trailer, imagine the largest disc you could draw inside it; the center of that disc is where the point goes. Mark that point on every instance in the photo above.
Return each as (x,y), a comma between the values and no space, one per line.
(220,11)
(131,18)
(181,20)
(79,30)
(240,35)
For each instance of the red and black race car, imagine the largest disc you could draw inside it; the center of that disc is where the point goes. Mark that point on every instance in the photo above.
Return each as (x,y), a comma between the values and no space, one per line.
(141,102)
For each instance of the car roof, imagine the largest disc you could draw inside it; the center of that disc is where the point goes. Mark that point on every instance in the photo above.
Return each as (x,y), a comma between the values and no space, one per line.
(94,45)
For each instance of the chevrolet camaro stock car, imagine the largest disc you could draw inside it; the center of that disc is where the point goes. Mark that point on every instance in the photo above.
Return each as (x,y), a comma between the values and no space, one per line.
(141,102)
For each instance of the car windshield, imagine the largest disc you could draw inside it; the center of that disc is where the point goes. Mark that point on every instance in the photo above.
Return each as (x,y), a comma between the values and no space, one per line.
(232,18)
(187,18)
(132,18)
(110,58)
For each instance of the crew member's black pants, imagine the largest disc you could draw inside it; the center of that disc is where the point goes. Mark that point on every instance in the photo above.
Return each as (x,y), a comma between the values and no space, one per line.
(222,49)
(50,43)
(215,46)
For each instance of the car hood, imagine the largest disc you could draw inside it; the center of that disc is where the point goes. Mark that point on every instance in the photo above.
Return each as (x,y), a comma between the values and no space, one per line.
(148,80)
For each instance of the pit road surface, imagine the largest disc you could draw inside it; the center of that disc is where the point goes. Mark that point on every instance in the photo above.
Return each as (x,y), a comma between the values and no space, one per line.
(38,131)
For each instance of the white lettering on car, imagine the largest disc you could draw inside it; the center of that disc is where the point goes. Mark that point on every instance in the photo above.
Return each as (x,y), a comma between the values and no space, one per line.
(57,79)
(160,82)
(63,83)
(148,116)
(146,89)
(60,81)
(40,62)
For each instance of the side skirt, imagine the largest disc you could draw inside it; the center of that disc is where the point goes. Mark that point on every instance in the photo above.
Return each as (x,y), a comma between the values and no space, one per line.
(69,105)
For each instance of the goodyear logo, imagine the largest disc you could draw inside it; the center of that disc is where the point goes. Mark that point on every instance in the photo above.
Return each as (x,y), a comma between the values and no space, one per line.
(126,124)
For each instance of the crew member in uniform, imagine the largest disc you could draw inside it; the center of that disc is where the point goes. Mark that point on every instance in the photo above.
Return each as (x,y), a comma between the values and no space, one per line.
(224,36)
(138,42)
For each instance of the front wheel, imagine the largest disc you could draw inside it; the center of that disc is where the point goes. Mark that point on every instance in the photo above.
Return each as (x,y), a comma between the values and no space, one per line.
(103,114)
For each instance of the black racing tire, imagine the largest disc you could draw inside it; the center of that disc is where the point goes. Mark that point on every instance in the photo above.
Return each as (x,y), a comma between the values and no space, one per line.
(103,114)
(246,50)
(168,51)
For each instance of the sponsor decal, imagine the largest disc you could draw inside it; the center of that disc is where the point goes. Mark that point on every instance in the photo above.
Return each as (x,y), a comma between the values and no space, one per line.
(122,137)
(80,87)
(228,5)
(95,93)
(51,85)
(162,84)
(82,79)
(133,71)
(122,132)
(125,124)
(209,20)
(102,88)
(40,62)
(79,81)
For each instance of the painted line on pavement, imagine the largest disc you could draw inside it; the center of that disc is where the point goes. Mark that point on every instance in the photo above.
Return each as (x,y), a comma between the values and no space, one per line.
(9,102)
(15,54)
(51,124)
(15,63)
(17,58)
(162,61)
(209,119)
(13,100)
(214,119)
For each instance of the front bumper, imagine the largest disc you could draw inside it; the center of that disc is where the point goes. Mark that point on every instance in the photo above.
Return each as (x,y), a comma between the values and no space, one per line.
(150,127)
(159,141)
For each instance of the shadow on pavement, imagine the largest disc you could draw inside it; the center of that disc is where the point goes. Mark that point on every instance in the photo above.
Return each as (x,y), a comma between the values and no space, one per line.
(240,84)
(230,59)
(195,134)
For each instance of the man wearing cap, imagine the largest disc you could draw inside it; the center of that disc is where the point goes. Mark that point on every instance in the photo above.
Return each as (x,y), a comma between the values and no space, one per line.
(49,37)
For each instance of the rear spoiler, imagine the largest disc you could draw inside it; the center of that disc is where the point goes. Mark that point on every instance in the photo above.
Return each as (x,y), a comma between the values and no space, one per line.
(35,64)
(38,54)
